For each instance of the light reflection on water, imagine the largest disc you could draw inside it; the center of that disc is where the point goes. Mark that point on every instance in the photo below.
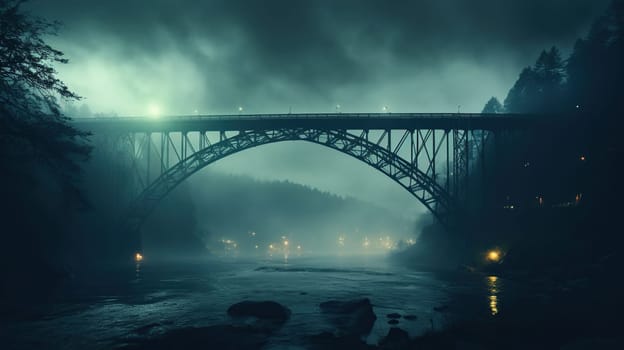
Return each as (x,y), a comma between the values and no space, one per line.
(494,285)
(176,296)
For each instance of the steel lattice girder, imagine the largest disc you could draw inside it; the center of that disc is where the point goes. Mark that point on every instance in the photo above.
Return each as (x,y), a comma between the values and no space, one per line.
(386,160)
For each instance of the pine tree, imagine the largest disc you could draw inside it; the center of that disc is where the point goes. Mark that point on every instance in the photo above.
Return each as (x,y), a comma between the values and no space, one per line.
(493,106)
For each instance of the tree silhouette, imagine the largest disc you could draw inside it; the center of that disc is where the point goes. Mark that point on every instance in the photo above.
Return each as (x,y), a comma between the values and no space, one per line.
(32,126)
(519,97)
(595,68)
(539,89)
(493,106)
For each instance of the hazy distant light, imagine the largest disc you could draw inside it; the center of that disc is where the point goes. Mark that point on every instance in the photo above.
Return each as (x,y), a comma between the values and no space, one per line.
(240,108)
(138,257)
(385,109)
(153,110)
(341,241)
(578,106)
(494,255)
(285,242)
(583,158)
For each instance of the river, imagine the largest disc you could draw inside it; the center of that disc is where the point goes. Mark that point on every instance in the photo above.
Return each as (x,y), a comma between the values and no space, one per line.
(152,298)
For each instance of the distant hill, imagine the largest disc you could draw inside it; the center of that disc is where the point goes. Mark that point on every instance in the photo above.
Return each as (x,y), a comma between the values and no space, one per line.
(254,212)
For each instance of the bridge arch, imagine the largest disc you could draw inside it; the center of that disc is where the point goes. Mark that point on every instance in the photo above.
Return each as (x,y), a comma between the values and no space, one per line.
(433,196)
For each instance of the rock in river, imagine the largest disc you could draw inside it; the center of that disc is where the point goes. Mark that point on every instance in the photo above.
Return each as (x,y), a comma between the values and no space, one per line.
(396,339)
(350,317)
(266,310)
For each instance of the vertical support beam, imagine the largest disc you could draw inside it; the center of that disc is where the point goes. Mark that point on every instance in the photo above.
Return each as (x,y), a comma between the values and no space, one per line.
(390,161)
(412,153)
(499,165)
(167,136)
(149,157)
(467,155)
(448,161)
(455,164)
(163,168)
(433,158)
(182,145)
(417,147)
(483,179)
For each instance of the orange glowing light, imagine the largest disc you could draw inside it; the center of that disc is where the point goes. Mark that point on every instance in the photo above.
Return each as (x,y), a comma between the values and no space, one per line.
(493,255)
(138,257)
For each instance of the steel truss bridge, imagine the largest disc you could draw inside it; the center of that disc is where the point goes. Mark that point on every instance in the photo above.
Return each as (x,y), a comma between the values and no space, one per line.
(430,155)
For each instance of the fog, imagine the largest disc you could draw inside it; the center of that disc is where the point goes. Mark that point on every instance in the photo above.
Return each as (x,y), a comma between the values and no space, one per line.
(108,240)
(129,58)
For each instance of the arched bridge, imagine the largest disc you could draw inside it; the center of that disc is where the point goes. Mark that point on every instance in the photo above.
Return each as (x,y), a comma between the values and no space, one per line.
(429,155)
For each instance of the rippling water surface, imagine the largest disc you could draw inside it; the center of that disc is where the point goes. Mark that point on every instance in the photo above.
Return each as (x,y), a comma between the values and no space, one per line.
(150,299)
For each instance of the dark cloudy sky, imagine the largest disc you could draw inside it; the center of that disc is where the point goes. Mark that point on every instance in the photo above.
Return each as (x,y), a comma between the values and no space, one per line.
(271,55)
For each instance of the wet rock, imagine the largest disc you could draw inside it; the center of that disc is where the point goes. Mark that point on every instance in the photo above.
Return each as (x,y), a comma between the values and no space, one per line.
(214,337)
(410,317)
(396,339)
(350,317)
(393,315)
(393,322)
(266,310)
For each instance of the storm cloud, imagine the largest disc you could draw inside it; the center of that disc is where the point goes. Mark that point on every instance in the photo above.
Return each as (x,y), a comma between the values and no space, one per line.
(309,55)
(306,56)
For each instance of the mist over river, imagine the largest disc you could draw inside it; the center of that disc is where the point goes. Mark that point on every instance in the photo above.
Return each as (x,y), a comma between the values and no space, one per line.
(127,303)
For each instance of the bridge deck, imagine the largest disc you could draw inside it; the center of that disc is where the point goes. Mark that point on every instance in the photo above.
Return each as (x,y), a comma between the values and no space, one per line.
(334,121)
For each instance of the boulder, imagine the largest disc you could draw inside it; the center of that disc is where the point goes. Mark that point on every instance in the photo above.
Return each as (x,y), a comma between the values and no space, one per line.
(396,339)
(265,310)
(350,317)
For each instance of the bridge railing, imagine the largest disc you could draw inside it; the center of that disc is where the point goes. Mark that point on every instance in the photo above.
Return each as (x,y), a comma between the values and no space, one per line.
(310,116)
